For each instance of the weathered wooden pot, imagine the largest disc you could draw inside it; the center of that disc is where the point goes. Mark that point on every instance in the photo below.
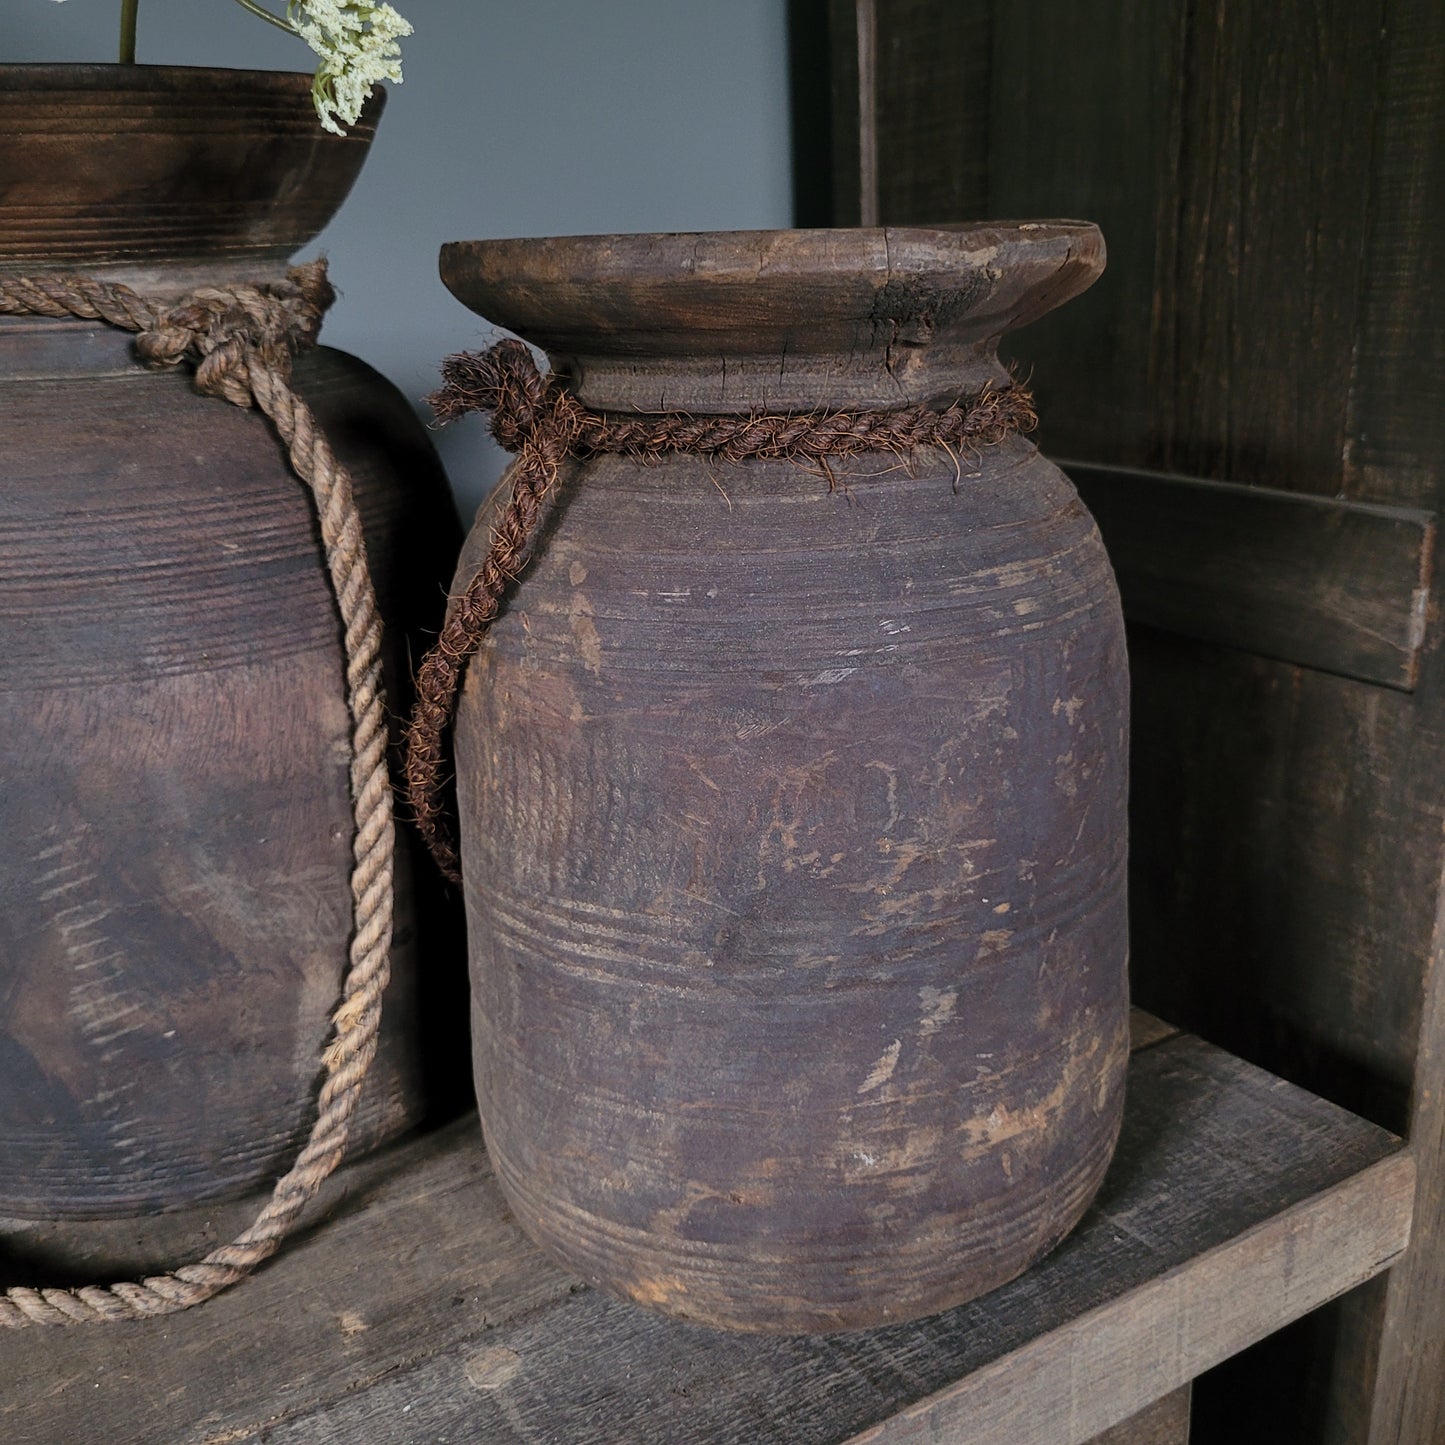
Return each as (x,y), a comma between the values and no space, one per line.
(174,739)
(793,814)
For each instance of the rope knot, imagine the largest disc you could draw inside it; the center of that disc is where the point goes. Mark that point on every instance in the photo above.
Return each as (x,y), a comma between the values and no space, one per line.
(223,329)
(505,382)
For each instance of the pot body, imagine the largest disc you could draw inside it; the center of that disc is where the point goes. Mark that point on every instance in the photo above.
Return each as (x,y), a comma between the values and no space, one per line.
(175,909)
(793,824)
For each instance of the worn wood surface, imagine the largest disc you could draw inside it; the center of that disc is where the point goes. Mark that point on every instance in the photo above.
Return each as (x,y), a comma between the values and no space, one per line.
(762,775)
(1258,306)
(1269,180)
(1338,586)
(725,321)
(1084,116)
(1166,1422)
(1145,1030)
(103,145)
(931,103)
(175,905)
(1276,889)
(417,1311)
(852,131)
(1396,451)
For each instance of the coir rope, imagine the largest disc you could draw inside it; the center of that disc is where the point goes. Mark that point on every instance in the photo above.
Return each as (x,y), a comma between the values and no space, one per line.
(241,340)
(541,421)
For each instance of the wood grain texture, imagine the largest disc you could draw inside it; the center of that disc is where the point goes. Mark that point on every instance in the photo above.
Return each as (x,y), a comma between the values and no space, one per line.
(174,900)
(1339,586)
(852,128)
(1395,431)
(931,97)
(1166,1422)
(1280,897)
(871,975)
(1085,117)
(89,150)
(791,808)
(421,1314)
(1145,1030)
(175,927)
(1276,210)
(728,321)
(1255,327)
(407,1253)
(1396,450)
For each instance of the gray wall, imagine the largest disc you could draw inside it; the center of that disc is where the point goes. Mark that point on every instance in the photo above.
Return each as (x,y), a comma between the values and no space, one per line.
(516,118)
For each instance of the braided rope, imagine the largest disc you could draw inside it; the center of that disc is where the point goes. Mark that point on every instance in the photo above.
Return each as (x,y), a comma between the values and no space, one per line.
(241,341)
(536,417)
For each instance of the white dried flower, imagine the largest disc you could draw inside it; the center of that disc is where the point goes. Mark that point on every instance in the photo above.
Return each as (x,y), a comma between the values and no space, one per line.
(358,45)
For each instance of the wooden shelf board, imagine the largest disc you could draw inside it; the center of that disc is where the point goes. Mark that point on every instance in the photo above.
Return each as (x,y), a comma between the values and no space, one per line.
(417,1311)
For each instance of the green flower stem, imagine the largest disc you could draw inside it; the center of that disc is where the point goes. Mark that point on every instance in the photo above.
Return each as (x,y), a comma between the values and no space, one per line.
(127,31)
(262,13)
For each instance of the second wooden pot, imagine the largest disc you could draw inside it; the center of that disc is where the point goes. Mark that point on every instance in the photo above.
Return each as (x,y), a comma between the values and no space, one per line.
(793,814)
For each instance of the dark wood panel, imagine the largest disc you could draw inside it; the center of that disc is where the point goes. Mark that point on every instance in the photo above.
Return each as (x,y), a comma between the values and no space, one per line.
(1257,313)
(853,129)
(1396,437)
(1085,122)
(1397,449)
(811,118)
(931,75)
(1274,220)
(1327,584)
(1283,865)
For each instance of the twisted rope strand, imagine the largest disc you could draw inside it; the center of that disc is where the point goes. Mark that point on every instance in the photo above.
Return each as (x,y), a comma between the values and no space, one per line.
(544,424)
(241,341)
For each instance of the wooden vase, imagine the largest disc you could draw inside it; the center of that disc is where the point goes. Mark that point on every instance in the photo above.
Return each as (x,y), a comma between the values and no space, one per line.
(175,906)
(793,803)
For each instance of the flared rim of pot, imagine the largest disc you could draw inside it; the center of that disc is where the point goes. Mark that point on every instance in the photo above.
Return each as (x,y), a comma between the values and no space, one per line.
(142,166)
(867,315)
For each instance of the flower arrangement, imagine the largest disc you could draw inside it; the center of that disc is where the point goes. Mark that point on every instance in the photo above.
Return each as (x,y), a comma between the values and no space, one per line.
(358,43)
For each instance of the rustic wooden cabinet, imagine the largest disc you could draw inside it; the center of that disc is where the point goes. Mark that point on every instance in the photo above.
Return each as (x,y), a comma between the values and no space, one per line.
(1255,397)
(1254,404)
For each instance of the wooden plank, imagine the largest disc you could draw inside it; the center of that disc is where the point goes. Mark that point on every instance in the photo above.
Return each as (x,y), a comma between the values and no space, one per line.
(1235,1203)
(1190,1312)
(1255,319)
(1085,122)
(1397,450)
(811,118)
(1274,210)
(416,1252)
(1283,868)
(1396,432)
(931,88)
(1145,1030)
(854,140)
(1166,1422)
(1339,586)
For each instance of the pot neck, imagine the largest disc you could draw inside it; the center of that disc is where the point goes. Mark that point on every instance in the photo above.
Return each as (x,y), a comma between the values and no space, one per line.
(886,376)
